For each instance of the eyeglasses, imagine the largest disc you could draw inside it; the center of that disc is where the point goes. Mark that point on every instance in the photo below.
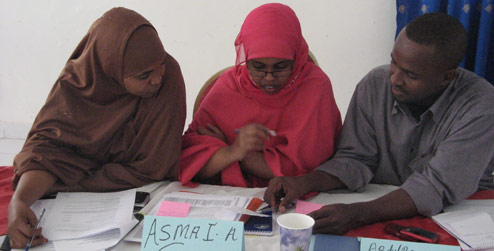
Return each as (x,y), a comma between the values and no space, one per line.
(262,74)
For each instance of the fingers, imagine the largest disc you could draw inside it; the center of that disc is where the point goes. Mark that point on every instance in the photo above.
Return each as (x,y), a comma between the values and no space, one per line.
(20,241)
(333,219)
(214,129)
(39,239)
(31,217)
(257,130)
(261,131)
(21,231)
(323,221)
(285,204)
(209,130)
(22,235)
(202,131)
(19,237)
(270,196)
(282,192)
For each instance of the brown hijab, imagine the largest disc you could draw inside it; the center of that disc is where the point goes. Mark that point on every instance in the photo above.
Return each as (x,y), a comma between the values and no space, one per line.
(94,135)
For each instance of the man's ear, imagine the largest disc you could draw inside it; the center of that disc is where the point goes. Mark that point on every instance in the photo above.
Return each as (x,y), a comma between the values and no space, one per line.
(449,76)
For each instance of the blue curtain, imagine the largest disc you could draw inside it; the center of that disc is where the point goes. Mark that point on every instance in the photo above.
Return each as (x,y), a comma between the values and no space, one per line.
(477,16)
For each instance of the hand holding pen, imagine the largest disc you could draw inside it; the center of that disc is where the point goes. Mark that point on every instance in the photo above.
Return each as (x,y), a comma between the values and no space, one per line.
(30,242)
(22,225)
(251,138)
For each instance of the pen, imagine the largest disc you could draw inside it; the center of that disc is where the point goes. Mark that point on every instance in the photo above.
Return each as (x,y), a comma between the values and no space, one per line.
(37,226)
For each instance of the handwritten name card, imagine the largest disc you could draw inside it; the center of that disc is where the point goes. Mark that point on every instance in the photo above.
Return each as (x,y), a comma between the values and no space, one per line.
(371,244)
(170,233)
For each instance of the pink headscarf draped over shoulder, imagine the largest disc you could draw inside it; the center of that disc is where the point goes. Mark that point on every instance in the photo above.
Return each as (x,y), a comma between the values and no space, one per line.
(303,114)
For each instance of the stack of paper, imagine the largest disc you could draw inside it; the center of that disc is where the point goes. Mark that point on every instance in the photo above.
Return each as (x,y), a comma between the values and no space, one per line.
(202,206)
(472,229)
(87,221)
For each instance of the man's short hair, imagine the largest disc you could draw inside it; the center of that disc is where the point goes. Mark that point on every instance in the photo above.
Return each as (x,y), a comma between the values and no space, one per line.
(444,32)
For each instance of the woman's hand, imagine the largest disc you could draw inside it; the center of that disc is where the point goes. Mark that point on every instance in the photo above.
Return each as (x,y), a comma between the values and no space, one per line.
(250,138)
(30,186)
(22,223)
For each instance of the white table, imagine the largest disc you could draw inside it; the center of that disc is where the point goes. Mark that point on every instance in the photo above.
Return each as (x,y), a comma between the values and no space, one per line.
(256,243)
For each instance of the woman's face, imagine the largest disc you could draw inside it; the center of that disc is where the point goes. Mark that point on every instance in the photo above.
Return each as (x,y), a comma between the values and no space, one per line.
(270,74)
(147,82)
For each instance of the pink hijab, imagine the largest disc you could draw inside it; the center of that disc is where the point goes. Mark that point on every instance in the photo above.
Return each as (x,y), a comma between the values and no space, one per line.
(303,114)
(271,30)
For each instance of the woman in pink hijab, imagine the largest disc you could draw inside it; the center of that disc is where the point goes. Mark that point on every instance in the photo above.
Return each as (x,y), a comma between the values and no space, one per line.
(273,114)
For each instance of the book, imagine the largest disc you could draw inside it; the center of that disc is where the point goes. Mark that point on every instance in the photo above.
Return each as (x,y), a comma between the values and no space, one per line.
(257,225)
(253,206)
(326,242)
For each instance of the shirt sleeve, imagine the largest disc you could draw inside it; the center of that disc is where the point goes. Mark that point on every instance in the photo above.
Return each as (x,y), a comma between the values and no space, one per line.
(455,168)
(357,153)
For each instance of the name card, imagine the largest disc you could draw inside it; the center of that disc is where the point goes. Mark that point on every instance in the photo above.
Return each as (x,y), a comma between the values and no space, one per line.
(170,233)
(371,244)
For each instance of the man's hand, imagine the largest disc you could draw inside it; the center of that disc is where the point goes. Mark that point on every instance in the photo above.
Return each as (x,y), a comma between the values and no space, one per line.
(339,218)
(336,218)
(284,190)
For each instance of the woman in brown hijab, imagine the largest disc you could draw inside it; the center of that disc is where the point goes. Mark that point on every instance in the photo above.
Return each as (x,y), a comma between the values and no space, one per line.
(112,121)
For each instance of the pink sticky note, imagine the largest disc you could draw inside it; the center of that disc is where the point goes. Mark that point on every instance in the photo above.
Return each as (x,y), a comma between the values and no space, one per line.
(173,209)
(304,207)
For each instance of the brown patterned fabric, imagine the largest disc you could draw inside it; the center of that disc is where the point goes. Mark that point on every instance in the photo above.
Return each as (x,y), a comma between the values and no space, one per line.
(94,135)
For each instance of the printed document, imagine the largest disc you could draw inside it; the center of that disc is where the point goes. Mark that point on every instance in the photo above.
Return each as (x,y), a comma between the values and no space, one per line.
(76,215)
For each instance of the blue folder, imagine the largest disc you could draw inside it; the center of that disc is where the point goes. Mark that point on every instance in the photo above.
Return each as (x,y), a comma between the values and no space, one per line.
(326,242)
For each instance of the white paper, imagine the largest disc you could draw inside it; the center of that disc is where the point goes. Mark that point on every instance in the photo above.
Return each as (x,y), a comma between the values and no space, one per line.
(473,229)
(43,247)
(96,242)
(473,205)
(204,206)
(38,206)
(477,230)
(152,186)
(76,215)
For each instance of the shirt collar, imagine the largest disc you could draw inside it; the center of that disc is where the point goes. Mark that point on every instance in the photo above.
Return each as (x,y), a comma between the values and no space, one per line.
(444,101)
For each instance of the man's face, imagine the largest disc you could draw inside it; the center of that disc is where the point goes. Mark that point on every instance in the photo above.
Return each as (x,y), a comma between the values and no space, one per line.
(415,74)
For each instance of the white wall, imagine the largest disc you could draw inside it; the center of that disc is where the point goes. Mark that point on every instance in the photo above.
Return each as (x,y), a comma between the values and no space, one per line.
(348,38)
